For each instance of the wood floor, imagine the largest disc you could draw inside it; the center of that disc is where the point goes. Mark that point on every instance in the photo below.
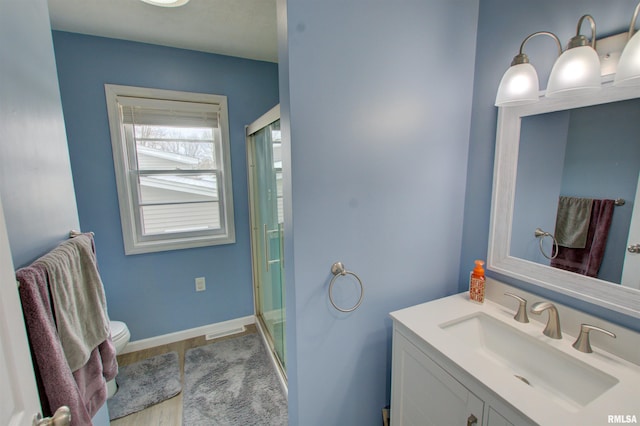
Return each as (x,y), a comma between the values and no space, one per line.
(169,412)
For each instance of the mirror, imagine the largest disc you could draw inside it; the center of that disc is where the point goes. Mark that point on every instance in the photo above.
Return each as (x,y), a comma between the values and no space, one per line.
(538,149)
(573,161)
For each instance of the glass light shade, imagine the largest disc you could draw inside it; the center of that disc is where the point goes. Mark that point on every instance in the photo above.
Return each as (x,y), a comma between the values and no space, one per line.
(519,86)
(166,3)
(577,69)
(628,72)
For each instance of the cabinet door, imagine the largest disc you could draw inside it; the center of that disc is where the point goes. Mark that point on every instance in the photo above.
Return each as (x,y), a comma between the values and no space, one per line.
(422,393)
(496,419)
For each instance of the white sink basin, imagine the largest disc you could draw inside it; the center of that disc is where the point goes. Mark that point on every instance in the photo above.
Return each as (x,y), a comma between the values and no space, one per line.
(569,381)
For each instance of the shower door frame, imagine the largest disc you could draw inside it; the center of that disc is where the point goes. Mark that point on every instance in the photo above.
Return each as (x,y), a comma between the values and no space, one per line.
(265,120)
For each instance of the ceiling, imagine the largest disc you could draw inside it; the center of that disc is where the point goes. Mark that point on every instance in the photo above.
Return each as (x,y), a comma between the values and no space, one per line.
(243,28)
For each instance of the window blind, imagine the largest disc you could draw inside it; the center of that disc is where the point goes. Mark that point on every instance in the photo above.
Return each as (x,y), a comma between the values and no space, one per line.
(156,112)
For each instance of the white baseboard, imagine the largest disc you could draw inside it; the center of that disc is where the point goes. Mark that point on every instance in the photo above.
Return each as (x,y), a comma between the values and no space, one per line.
(218,329)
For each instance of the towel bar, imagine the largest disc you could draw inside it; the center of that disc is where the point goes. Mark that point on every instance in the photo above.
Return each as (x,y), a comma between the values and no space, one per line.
(73,233)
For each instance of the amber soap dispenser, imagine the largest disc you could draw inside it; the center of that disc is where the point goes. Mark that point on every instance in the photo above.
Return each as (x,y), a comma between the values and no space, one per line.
(477,283)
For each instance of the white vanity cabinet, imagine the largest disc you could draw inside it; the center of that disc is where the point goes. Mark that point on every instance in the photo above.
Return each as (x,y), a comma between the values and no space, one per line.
(423,393)
(427,389)
(456,362)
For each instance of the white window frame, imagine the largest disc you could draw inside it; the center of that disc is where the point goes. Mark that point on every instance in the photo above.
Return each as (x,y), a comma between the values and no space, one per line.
(134,240)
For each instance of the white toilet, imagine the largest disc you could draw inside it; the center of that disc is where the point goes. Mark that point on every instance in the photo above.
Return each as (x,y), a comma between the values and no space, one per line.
(120,336)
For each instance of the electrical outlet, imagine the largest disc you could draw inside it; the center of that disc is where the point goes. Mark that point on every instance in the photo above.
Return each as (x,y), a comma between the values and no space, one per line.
(200,284)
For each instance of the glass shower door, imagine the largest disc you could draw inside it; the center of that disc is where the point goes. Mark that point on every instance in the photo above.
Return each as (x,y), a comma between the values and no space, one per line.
(265,194)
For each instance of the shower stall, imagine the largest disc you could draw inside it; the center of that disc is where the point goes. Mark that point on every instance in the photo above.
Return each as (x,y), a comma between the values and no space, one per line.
(264,161)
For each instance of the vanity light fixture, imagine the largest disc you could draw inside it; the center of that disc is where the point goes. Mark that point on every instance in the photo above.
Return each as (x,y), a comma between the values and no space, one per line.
(628,72)
(578,68)
(519,84)
(167,3)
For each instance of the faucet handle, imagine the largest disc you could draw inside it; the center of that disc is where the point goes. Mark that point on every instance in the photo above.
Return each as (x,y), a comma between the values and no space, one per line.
(521,315)
(582,342)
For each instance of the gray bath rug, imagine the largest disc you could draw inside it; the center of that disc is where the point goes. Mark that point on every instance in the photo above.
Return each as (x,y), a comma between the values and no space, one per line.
(145,383)
(232,383)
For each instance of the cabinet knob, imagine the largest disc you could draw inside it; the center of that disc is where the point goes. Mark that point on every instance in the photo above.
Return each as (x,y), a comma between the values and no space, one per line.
(472,420)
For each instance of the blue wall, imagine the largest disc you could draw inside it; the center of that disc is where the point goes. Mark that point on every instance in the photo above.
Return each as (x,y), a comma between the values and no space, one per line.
(154,293)
(376,119)
(35,178)
(502,26)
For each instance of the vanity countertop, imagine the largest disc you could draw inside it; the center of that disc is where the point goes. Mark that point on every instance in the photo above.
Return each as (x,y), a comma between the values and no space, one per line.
(426,321)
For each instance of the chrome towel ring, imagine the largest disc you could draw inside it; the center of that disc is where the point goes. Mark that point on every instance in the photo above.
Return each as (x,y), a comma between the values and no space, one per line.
(539,233)
(338,269)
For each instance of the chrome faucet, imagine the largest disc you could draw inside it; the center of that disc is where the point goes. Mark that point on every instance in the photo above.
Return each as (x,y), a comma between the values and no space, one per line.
(521,315)
(582,342)
(553,323)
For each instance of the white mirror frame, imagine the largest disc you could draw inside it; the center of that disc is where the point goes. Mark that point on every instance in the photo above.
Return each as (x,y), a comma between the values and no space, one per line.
(605,294)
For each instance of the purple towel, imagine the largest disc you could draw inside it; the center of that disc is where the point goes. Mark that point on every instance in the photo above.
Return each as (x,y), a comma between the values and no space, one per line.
(587,261)
(56,383)
(93,376)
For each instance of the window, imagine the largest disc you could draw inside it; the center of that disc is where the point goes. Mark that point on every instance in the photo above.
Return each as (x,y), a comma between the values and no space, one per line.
(172,164)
